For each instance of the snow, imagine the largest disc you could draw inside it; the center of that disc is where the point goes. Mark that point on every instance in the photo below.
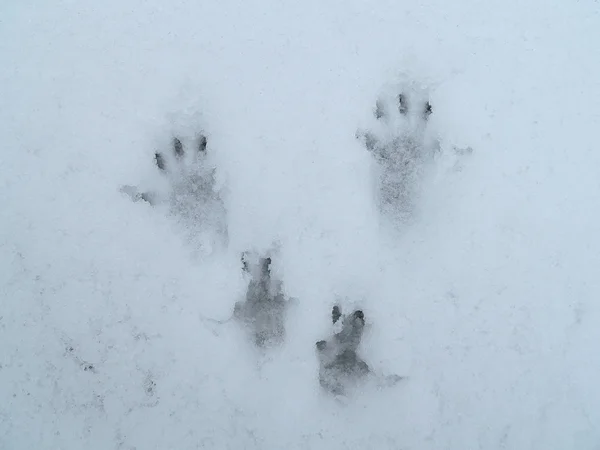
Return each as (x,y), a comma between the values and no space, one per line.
(487,301)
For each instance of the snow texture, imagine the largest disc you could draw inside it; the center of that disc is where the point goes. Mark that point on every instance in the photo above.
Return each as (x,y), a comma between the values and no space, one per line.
(113,325)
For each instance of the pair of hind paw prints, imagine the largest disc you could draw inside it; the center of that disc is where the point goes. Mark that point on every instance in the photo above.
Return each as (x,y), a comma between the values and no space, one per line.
(192,194)
(263,315)
(403,146)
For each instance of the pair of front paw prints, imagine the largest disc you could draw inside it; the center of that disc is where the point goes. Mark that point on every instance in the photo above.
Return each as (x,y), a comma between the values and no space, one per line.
(399,140)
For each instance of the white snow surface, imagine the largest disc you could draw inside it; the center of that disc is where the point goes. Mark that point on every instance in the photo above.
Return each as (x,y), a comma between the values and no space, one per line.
(488,301)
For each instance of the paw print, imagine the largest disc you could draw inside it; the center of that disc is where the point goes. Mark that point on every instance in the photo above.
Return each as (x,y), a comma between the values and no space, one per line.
(264,310)
(401,145)
(340,365)
(191,190)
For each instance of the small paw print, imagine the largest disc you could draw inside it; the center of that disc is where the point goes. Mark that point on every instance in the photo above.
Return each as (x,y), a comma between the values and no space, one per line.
(264,310)
(404,145)
(191,190)
(399,141)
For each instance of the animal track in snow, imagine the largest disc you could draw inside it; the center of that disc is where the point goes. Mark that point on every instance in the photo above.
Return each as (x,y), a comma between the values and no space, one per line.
(192,194)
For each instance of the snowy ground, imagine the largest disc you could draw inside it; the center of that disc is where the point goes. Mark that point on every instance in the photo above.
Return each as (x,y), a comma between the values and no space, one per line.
(488,302)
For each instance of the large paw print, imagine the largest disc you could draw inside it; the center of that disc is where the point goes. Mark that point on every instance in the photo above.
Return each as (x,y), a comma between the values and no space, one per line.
(401,145)
(191,193)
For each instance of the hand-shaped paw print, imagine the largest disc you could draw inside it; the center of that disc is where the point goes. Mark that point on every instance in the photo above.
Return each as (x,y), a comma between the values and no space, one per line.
(192,195)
